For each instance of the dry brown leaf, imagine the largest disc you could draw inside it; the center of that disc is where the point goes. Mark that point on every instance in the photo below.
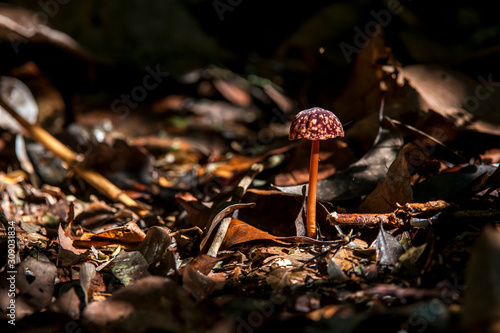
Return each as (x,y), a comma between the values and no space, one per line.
(65,239)
(467,103)
(129,235)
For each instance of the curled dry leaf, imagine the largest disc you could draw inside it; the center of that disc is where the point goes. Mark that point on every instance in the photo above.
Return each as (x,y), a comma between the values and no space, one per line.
(155,249)
(128,235)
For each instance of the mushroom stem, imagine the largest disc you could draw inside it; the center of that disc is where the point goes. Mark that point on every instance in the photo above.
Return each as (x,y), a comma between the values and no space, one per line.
(311,195)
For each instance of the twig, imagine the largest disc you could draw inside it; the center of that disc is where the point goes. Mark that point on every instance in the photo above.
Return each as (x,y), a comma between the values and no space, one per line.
(415,214)
(219,237)
(365,220)
(183,231)
(245,182)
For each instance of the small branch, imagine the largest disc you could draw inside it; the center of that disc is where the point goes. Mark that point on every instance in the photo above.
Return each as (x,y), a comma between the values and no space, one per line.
(415,214)
(219,237)
(246,181)
(365,220)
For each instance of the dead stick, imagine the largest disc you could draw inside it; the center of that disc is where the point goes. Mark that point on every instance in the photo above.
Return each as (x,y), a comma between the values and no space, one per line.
(365,220)
(95,179)
(219,237)
(395,220)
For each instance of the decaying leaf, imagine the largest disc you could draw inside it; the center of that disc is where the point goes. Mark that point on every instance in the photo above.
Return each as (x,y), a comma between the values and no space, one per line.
(155,249)
(468,103)
(396,186)
(445,185)
(388,249)
(335,272)
(129,267)
(128,235)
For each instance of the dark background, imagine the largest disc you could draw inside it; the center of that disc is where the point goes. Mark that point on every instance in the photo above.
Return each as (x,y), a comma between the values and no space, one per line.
(278,40)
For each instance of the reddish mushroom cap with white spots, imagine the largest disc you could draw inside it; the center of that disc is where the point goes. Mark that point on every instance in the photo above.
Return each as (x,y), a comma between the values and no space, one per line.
(315,124)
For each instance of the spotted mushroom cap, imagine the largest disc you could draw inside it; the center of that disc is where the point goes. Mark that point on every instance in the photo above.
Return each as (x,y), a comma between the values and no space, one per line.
(315,124)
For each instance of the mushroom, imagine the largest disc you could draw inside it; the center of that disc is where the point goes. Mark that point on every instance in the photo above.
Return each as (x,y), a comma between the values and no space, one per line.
(314,124)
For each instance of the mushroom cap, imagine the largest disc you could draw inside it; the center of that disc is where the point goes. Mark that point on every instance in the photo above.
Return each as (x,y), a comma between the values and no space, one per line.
(315,124)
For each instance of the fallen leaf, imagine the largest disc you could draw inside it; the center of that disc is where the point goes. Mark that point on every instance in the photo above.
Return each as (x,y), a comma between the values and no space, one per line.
(396,186)
(456,96)
(241,232)
(36,281)
(446,184)
(129,267)
(128,235)
(68,302)
(65,239)
(388,249)
(335,273)
(16,94)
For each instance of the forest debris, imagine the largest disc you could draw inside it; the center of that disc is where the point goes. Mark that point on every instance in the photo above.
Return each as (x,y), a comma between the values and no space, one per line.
(156,250)
(87,273)
(36,281)
(128,235)
(365,220)
(240,191)
(417,215)
(219,237)
(69,157)
(482,296)
(335,272)
(388,248)
(227,209)
(19,95)
(152,303)
(65,239)
(129,267)
(397,218)
(198,277)
(470,104)
(447,184)
(396,186)
(241,232)
(68,302)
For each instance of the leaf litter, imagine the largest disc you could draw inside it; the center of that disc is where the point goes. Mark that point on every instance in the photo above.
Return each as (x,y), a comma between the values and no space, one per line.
(201,227)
